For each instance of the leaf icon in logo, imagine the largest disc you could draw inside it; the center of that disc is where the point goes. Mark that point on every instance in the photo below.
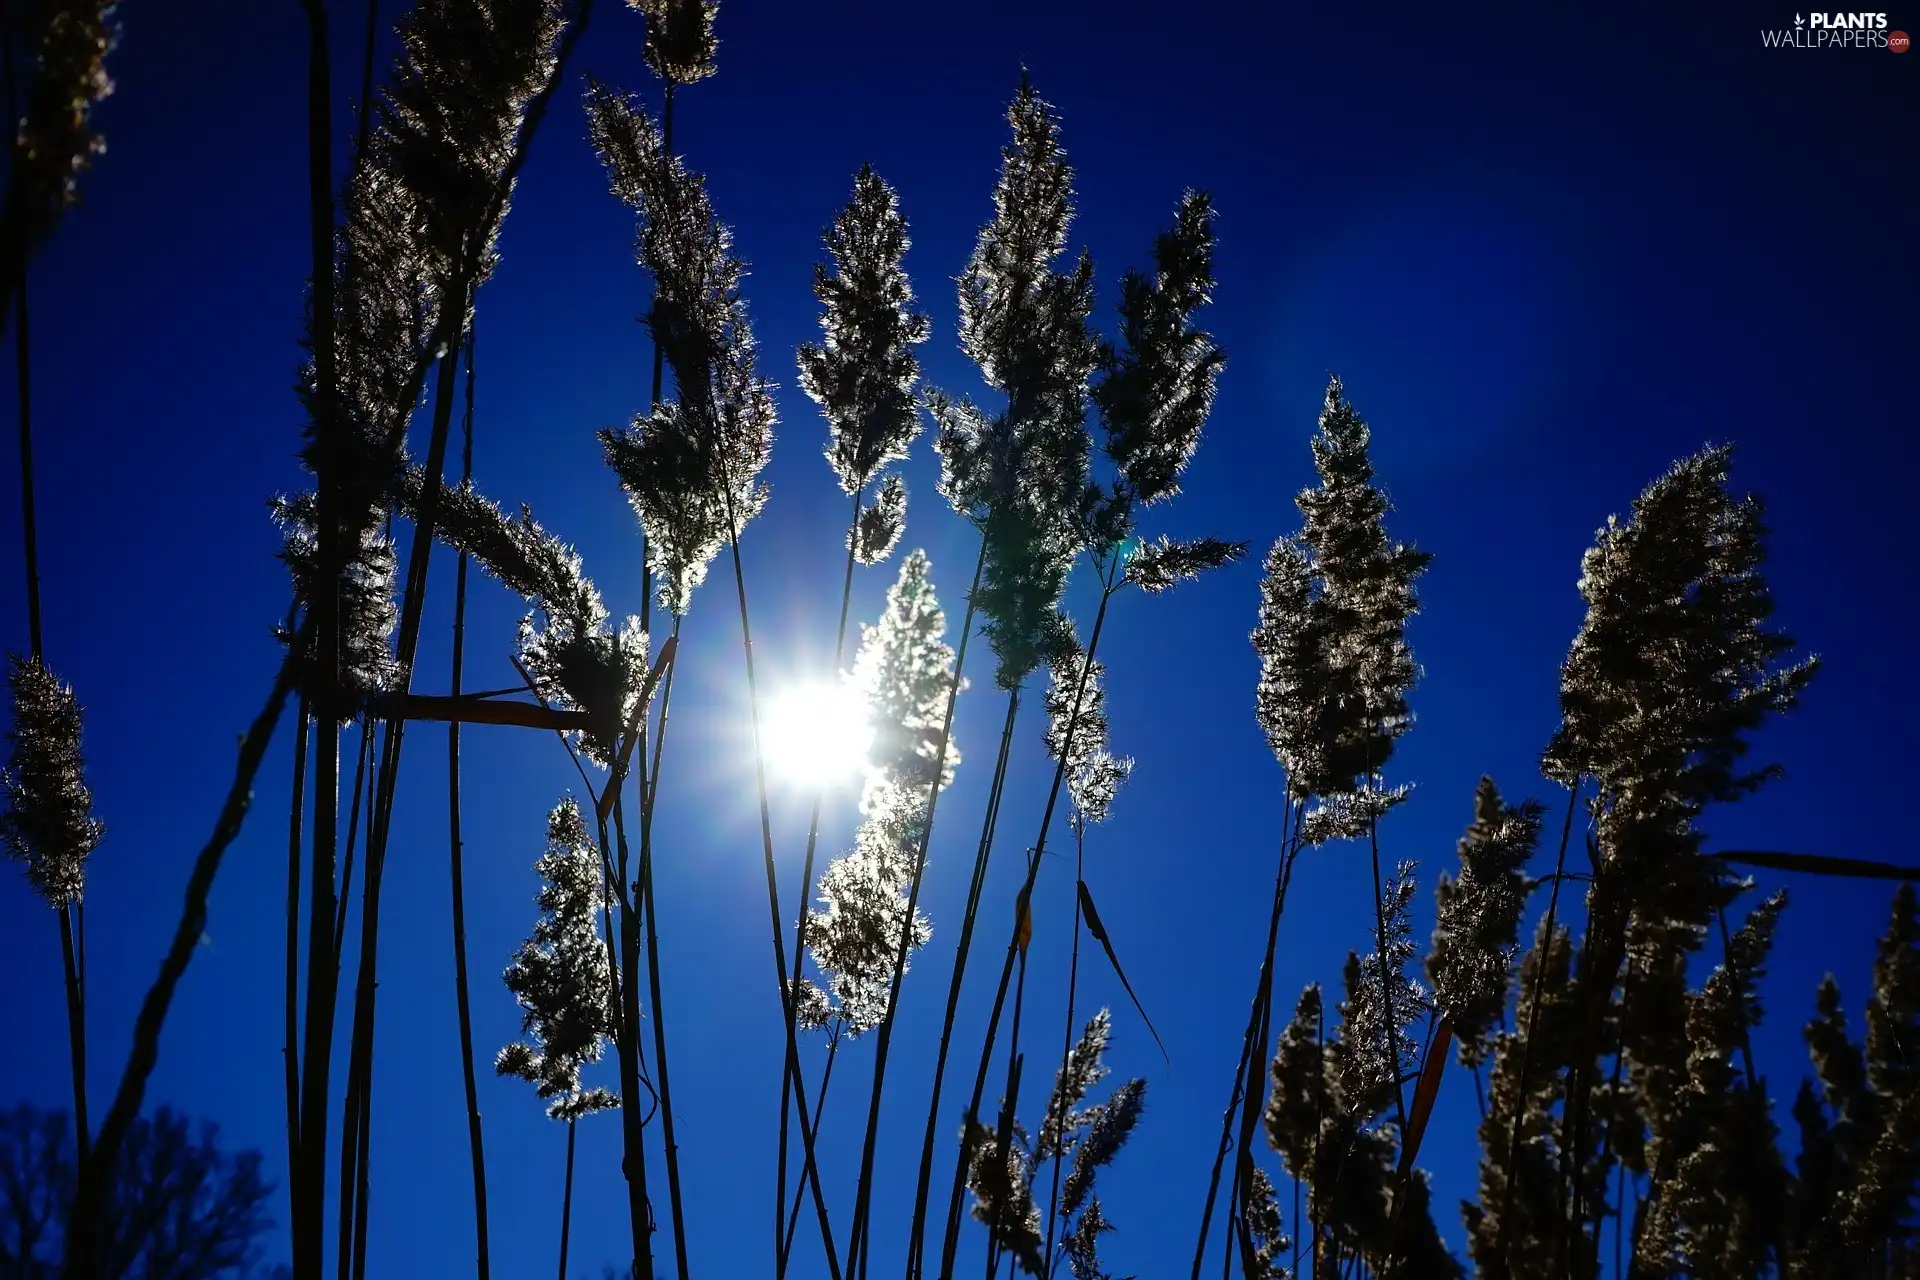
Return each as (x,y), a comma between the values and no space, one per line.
(1798,21)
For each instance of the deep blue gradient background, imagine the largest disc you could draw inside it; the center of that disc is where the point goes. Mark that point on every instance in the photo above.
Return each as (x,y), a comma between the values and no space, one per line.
(1549,249)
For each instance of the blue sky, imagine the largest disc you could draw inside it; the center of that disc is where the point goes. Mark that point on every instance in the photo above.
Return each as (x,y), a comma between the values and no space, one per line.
(1548,249)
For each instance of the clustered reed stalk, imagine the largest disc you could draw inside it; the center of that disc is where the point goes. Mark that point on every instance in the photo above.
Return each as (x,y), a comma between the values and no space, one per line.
(48,824)
(1153,394)
(1334,673)
(862,376)
(1618,1070)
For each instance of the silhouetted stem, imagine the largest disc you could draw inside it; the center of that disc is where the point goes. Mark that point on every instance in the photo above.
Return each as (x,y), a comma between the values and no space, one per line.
(308,1189)
(296,832)
(566,1203)
(1253,1091)
(976,885)
(627,1047)
(84,1237)
(1066,1048)
(76,1035)
(787,1091)
(652,949)
(342,896)
(951,1240)
(1380,954)
(819,1105)
(989,824)
(457,880)
(810,1171)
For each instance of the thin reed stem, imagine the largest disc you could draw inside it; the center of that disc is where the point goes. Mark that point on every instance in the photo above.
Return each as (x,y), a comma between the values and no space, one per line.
(1248,1039)
(1066,1048)
(29,522)
(76,1034)
(1010,1103)
(566,1203)
(627,1047)
(373,875)
(84,1238)
(819,1105)
(457,880)
(811,1170)
(363,1167)
(308,1189)
(988,824)
(342,895)
(296,832)
(652,949)
(1256,1066)
(787,1089)
(30,542)
(1380,954)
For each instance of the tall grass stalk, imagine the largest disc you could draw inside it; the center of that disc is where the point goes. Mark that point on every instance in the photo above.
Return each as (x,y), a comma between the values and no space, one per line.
(789,1092)
(1247,1089)
(454,316)
(810,1171)
(975,887)
(65,912)
(857,1248)
(296,839)
(648,796)
(1066,1050)
(456,876)
(1015,944)
(90,1201)
(627,1049)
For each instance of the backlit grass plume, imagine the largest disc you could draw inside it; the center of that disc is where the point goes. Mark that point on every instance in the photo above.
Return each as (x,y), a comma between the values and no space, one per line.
(577,657)
(680,44)
(904,670)
(1721,1189)
(1093,773)
(561,975)
(1673,667)
(1477,924)
(1377,1048)
(1323,1115)
(1160,380)
(1859,1121)
(1154,394)
(1020,475)
(48,824)
(1335,667)
(689,467)
(364,602)
(52,141)
(422,209)
(855,934)
(863,372)
(1083,1139)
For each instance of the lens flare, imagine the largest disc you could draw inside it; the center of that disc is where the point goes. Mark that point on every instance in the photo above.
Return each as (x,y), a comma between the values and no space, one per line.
(816,734)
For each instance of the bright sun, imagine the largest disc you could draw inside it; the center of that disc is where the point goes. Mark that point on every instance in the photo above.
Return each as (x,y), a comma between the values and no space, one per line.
(816,734)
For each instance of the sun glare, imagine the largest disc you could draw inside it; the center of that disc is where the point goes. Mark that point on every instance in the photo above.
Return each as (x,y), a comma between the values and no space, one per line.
(816,734)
